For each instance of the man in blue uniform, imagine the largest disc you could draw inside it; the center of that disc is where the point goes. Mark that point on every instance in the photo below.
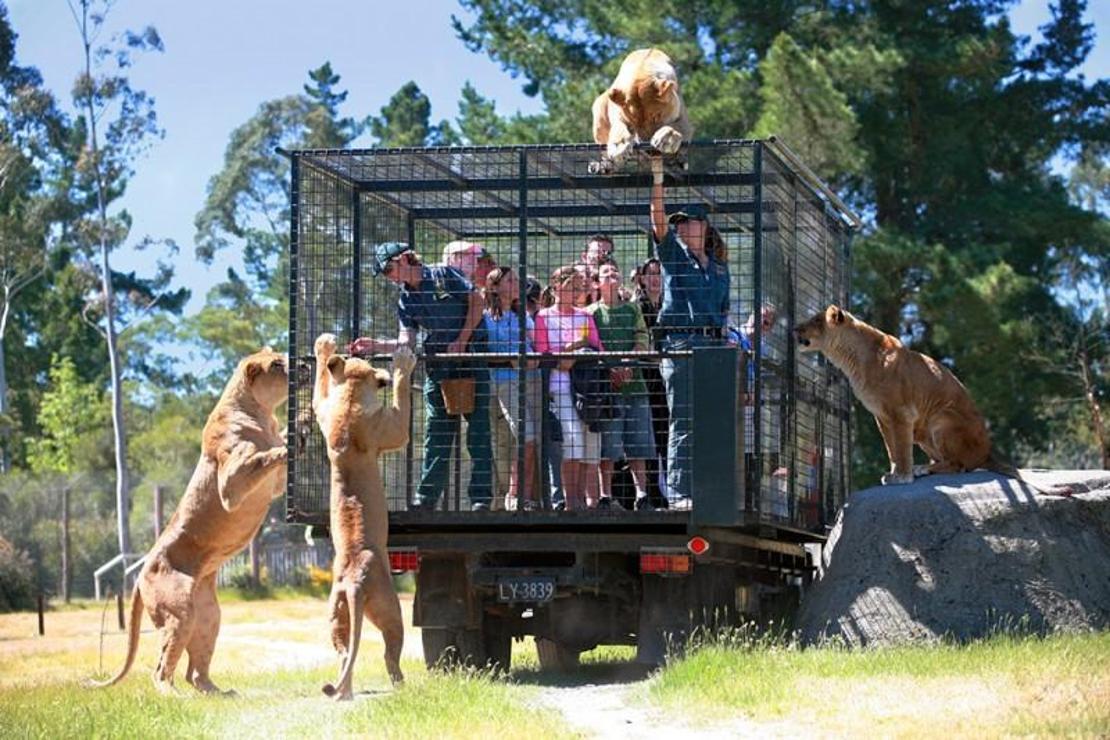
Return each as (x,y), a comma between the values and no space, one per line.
(438,301)
(694,313)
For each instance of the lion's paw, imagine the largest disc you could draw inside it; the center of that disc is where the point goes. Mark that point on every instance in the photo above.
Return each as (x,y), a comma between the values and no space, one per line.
(325,345)
(894,479)
(921,470)
(618,150)
(403,359)
(667,140)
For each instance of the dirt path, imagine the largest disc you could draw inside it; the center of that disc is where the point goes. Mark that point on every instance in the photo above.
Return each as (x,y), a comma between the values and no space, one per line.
(615,704)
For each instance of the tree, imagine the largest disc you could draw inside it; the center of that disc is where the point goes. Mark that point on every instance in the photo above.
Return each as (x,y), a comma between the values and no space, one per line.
(248,205)
(29,121)
(911,110)
(70,413)
(404,121)
(118,121)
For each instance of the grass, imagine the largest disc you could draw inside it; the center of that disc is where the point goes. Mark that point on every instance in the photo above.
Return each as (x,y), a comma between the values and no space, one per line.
(1009,684)
(275,654)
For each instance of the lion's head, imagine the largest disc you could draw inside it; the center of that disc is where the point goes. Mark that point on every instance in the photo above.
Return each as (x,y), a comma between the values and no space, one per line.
(358,385)
(265,376)
(814,334)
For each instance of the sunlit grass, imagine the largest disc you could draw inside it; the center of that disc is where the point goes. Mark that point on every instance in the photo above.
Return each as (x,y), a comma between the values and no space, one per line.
(275,654)
(1008,684)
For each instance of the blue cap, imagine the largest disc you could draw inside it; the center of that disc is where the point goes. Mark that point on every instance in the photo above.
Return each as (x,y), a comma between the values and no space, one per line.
(695,212)
(386,251)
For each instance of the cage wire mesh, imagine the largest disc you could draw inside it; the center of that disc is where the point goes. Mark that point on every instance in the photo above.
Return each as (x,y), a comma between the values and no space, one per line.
(533,210)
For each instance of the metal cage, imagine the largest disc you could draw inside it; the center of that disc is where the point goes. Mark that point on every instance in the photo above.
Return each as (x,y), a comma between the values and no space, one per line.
(533,207)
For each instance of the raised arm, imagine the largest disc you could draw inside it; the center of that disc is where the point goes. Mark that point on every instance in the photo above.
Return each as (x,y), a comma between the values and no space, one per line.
(658,210)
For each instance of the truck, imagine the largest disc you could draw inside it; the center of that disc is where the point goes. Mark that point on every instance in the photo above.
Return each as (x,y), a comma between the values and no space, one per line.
(770,426)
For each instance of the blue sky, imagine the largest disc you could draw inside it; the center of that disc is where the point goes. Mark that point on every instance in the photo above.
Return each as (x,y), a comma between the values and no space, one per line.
(222,59)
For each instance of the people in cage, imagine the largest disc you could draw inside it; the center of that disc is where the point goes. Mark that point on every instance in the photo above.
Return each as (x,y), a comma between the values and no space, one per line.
(744,338)
(562,327)
(694,313)
(471,259)
(628,434)
(648,295)
(439,302)
(551,448)
(502,320)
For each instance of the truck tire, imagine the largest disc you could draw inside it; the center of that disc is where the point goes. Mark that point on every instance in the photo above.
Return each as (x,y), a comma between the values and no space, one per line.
(497,641)
(450,648)
(555,656)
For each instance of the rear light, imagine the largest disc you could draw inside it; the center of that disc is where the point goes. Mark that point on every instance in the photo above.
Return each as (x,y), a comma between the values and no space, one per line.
(404,561)
(665,561)
(698,545)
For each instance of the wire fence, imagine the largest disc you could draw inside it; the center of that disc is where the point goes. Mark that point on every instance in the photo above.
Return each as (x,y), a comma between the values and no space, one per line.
(570,393)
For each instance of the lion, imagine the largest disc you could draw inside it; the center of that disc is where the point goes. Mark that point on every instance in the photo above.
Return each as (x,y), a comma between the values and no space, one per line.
(914,398)
(241,470)
(644,103)
(357,427)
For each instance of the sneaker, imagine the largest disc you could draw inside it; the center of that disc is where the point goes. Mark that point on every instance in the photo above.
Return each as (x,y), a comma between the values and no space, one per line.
(561,506)
(604,503)
(510,503)
(479,506)
(422,505)
(643,503)
(682,504)
(531,506)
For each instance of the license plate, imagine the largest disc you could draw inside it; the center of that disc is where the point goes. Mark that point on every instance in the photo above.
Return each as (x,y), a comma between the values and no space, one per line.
(532,590)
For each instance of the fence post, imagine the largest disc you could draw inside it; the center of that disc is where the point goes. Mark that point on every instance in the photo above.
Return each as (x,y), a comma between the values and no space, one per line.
(42,614)
(119,610)
(256,567)
(65,545)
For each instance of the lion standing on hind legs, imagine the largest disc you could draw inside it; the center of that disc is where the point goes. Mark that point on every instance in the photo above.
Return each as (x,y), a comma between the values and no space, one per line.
(241,469)
(357,428)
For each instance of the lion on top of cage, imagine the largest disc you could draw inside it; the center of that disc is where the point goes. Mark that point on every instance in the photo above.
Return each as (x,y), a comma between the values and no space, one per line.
(644,103)
(357,427)
(240,471)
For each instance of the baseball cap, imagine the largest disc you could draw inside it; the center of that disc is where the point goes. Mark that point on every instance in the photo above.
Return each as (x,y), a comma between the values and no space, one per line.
(458,248)
(386,251)
(694,212)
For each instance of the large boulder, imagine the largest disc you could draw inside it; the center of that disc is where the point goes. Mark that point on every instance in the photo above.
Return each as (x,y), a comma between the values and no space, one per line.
(960,556)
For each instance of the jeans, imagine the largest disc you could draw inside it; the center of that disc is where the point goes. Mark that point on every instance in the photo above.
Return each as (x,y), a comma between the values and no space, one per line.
(440,432)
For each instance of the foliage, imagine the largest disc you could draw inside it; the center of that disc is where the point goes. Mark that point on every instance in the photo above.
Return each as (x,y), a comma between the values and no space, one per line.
(403,121)
(17,591)
(909,109)
(71,411)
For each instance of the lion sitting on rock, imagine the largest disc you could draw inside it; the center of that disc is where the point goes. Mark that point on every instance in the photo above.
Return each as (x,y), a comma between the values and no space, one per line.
(241,470)
(357,427)
(643,104)
(914,398)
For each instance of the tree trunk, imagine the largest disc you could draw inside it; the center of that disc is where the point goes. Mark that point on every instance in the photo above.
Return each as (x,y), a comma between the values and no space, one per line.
(256,559)
(5,428)
(119,434)
(1094,408)
(157,511)
(65,545)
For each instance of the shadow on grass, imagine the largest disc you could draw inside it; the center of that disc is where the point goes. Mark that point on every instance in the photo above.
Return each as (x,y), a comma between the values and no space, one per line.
(600,673)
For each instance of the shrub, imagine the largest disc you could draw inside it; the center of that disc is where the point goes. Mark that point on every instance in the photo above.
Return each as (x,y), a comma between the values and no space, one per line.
(17,590)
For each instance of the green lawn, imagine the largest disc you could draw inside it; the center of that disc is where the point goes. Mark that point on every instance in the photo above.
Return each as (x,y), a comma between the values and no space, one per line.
(275,654)
(1007,685)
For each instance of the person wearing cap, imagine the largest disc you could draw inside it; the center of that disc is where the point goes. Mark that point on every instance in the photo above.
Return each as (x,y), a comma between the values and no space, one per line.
(438,301)
(471,259)
(694,313)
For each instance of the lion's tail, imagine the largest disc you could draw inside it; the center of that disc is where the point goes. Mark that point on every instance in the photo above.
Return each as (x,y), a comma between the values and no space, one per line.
(132,641)
(354,608)
(996,465)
